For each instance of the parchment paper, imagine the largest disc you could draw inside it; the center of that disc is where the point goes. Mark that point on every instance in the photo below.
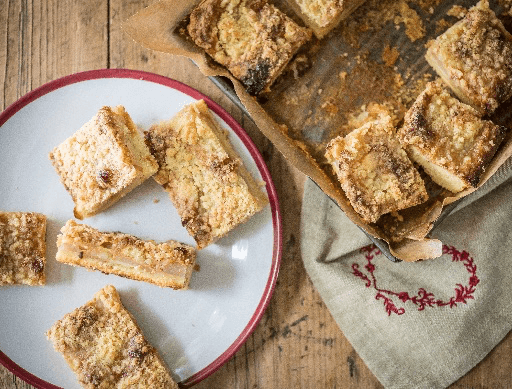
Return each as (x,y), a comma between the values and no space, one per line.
(373,60)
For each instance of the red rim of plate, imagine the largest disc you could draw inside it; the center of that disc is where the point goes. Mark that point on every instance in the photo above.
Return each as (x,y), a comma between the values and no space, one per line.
(248,143)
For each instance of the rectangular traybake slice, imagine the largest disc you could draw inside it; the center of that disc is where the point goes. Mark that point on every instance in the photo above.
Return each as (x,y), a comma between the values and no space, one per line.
(167,264)
(374,171)
(449,139)
(105,348)
(103,161)
(22,248)
(200,170)
(252,38)
(474,58)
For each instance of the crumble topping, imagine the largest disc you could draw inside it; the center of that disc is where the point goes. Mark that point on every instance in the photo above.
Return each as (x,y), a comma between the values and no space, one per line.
(102,161)
(168,264)
(105,348)
(22,248)
(374,171)
(205,179)
(474,57)
(251,38)
(450,134)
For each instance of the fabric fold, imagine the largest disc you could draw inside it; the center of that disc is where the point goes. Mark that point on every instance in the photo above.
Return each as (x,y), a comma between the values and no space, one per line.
(422,324)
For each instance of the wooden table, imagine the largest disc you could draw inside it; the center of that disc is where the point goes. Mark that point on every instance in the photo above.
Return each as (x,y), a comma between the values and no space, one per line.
(297,344)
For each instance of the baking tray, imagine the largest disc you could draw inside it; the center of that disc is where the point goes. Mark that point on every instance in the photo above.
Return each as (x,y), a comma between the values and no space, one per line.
(372,60)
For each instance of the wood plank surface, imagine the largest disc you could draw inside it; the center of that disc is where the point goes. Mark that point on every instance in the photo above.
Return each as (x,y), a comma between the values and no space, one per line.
(297,344)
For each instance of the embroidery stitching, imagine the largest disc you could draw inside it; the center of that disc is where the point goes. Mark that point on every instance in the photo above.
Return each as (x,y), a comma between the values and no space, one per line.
(423,299)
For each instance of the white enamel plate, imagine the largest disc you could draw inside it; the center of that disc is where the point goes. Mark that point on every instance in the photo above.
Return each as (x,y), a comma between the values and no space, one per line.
(194,330)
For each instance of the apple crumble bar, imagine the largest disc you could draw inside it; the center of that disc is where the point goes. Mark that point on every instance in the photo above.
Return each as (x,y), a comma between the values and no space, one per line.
(22,248)
(324,15)
(374,171)
(168,264)
(204,177)
(449,139)
(474,58)
(105,348)
(251,38)
(103,161)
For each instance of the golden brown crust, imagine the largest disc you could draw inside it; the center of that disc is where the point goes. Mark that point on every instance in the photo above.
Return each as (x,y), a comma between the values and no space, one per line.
(374,171)
(324,15)
(474,57)
(105,348)
(168,264)
(22,248)
(449,134)
(205,179)
(102,161)
(251,38)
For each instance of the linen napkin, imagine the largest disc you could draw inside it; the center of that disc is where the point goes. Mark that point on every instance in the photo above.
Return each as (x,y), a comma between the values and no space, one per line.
(422,324)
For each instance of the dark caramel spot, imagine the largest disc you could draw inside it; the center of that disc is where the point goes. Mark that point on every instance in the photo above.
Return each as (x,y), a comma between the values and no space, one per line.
(256,5)
(185,221)
(182,250)
(257,78)
(127,240)
(107,245)
(418,120)
(37,265)
(156,145)
(203,21)
(138,347)
(105,176)
(224,167)
(420,127)
(85,317)
(200,235)
(138,354)
(474,177)
(149,142)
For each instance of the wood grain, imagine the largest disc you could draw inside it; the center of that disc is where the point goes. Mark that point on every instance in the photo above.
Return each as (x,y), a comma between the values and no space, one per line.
(297,344)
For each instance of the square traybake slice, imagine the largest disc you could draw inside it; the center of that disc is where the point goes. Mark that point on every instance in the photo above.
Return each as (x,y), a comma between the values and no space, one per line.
(324,15)
(105,348)
(251,38)
(168,264)
(204,177)
(103,161)
(449,139)
(374,171)
(474,58)
(22,248)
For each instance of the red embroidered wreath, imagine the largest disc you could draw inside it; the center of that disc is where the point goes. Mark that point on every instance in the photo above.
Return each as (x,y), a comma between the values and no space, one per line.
(423,299)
